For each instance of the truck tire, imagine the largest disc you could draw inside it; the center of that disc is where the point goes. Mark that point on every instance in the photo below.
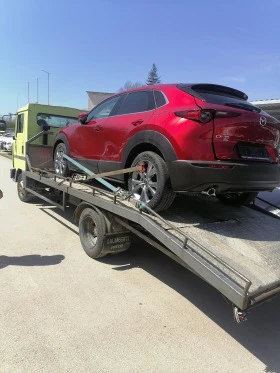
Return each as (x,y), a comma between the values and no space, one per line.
(60,164)
(92,230)
(23,195)
(236,199)
(153,185)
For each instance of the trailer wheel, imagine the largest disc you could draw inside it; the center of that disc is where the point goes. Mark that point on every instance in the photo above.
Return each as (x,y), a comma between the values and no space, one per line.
(92,230)
(60,163)
(236,199)
(23,195)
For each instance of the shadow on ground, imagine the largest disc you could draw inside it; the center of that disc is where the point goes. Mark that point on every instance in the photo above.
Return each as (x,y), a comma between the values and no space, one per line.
(30,260)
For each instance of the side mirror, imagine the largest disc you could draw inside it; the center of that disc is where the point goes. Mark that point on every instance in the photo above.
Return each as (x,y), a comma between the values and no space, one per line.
(3,126)
(83,117)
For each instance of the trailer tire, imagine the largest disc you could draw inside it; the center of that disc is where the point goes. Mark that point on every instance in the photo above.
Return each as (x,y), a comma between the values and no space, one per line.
(92,230)
(23,195)
(237,199)
(60,164)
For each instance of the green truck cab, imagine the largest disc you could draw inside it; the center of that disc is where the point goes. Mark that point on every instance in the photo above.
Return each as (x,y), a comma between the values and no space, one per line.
(30,121)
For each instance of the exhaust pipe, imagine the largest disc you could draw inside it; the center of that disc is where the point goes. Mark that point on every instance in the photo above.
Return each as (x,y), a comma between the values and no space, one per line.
(209,192)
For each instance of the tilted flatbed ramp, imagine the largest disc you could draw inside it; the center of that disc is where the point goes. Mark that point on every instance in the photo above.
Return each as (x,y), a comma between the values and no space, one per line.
(235,249)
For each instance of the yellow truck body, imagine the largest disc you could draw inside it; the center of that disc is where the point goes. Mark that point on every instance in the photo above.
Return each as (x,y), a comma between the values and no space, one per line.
(27,126)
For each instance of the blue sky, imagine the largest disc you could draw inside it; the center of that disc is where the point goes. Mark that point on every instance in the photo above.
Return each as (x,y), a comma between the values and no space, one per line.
(98,45)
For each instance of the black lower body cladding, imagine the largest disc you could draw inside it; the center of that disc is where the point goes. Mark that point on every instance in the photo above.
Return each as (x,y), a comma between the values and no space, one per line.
(196,176)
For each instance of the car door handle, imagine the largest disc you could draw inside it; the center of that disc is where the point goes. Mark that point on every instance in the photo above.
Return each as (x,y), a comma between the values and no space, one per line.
(97,127)
(136,122)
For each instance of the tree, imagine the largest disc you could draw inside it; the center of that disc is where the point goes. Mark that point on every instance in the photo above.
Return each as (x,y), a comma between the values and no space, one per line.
(129,85)
(153,77)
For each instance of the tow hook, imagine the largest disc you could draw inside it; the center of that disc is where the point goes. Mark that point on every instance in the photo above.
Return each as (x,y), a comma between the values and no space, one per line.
(238,315)
(143,168)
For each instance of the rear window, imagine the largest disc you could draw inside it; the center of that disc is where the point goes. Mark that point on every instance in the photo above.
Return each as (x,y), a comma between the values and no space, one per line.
(220,95)
(57,121)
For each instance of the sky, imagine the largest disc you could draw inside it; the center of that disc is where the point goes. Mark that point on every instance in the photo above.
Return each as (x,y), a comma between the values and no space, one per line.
(98,45)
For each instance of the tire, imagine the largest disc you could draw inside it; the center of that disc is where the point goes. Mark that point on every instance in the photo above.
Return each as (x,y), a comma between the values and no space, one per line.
(153,185)
(92,230)
(23,195)
(237,199)
(60,164)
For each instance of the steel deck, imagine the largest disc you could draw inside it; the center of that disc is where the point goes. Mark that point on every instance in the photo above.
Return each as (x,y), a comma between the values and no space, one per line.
(235,249)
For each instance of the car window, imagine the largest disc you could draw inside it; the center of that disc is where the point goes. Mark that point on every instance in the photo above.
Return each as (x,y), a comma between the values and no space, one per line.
(137,102)
(104,109)
(159,98)
(20,123)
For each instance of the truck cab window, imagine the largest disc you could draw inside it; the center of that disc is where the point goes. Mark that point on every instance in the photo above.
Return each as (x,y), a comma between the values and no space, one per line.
(20,123)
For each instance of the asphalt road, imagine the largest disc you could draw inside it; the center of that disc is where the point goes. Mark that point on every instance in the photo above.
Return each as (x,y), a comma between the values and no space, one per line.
(134,312)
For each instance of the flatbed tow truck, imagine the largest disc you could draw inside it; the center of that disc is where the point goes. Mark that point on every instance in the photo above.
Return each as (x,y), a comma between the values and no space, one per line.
(235,249)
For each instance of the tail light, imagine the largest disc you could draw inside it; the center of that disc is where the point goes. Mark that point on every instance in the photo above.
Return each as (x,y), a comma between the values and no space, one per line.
(205,116)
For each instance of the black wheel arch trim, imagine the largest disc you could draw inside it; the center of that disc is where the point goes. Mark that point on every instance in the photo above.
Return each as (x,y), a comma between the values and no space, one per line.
(61,138)
(153,138)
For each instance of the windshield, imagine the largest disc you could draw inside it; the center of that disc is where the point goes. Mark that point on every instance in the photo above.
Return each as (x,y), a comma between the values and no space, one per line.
(220,95)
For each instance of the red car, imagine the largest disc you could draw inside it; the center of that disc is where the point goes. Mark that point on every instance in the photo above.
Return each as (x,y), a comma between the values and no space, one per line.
(189,138)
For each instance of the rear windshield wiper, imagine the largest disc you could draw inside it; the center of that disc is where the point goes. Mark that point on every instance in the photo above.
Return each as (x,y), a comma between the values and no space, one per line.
(243,106)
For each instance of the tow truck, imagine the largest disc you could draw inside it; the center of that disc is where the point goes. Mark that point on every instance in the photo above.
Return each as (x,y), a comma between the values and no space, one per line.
(235,249)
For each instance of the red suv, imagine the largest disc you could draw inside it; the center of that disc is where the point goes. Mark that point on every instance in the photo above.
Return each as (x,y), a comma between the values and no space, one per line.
(189,138)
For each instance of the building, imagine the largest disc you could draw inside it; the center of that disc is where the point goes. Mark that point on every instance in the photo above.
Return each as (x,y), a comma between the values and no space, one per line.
(95,97)
(272,107)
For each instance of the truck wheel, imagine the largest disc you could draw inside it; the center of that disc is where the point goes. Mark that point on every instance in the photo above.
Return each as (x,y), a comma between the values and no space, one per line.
(92,230)
(152,185)
(235,199)
(60,163)
(23,195)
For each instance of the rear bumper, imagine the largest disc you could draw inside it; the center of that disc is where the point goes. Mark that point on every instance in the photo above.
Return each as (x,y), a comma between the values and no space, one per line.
(240,177)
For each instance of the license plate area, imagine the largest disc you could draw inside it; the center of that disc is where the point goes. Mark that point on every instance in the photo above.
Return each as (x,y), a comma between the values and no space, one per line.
(253,152)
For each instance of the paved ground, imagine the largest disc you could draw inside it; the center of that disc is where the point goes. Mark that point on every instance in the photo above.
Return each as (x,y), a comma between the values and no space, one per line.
(135,312)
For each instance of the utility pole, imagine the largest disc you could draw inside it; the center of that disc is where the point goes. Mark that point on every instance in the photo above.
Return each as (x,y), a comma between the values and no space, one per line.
(48,85)
(37,90)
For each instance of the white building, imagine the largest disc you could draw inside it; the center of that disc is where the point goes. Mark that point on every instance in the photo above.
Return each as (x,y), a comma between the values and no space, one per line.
(95,97)
(272,107)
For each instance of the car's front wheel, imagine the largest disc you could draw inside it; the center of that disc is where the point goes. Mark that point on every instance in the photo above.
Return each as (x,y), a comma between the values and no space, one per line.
(236,199)
(152,184)
(60,163)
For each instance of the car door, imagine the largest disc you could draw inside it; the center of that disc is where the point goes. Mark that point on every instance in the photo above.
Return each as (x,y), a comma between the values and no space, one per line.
(19,144)
(85,137)
(132,115)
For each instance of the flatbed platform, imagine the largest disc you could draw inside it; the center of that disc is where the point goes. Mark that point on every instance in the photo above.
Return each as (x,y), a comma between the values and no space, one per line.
(235,249)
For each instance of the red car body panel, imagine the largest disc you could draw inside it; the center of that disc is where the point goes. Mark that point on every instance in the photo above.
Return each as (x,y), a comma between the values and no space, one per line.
(235,132)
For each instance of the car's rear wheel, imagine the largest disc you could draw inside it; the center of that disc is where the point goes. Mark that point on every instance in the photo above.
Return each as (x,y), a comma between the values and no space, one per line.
(236,199)
(152,184)
(60,163)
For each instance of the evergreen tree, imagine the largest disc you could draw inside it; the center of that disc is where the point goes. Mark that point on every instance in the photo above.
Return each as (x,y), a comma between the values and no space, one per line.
(153,77)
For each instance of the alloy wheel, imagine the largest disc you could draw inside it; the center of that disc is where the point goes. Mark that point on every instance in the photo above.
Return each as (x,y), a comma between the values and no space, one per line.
(145,182)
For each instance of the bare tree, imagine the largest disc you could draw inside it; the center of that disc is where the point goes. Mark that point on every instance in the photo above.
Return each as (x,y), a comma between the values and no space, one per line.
(129,85)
